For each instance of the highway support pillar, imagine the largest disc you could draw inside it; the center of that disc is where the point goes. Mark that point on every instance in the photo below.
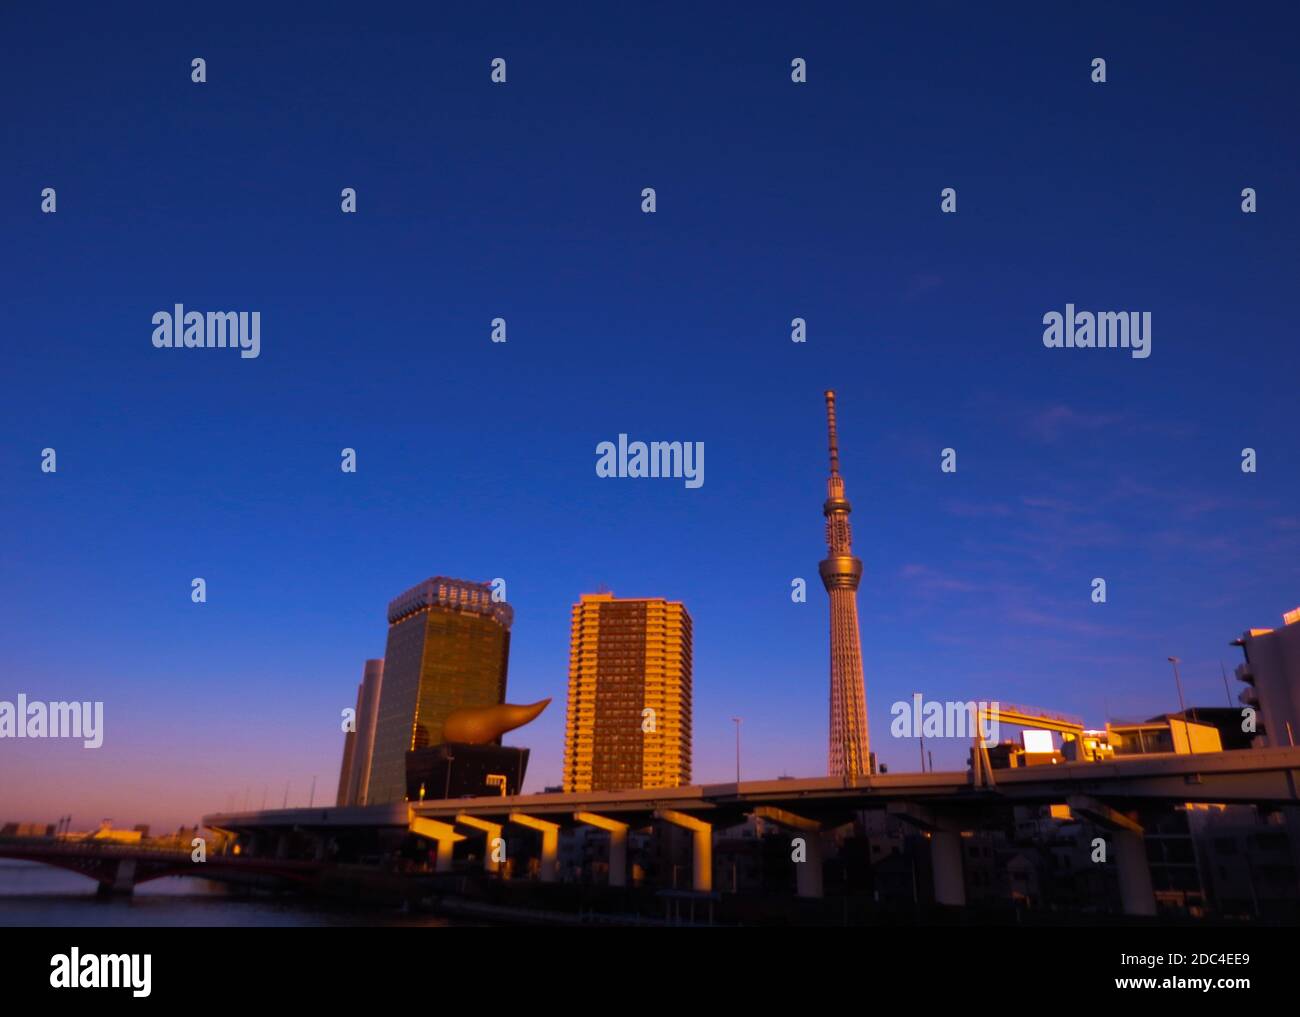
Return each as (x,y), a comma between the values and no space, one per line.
(1134,873)
(494,850)
(444,834)
(702,853)
(945,850)
(549,870)
(617,844)
(808,871)
(945,856)
(1127,835)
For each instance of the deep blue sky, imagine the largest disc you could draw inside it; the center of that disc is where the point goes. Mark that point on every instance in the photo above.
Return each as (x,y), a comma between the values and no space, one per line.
(477,460)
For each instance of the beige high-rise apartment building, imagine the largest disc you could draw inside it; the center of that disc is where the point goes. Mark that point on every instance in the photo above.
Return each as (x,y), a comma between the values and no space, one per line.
(629,713)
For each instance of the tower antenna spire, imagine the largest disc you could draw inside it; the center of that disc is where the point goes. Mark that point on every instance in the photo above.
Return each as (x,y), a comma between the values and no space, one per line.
(834,434)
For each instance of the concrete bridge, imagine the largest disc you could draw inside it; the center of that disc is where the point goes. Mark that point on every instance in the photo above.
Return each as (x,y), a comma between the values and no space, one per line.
(1111,793)
(119,868)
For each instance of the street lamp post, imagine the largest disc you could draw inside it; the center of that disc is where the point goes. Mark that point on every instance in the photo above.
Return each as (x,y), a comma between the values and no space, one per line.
(921,733)
(737,721)
(1181,706)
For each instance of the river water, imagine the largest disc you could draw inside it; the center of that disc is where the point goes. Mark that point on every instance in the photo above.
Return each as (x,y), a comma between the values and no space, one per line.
(38,895)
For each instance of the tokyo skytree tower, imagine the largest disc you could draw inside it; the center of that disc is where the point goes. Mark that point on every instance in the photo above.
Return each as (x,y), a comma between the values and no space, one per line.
(841,573)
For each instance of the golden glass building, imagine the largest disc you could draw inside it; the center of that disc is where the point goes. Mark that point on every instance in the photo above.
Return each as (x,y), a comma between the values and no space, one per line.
(448,647)
(629,713)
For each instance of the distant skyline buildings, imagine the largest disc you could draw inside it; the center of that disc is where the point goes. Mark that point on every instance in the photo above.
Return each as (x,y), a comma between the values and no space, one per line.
(628,721)
(345,769)
(359,744)
(448,646)
(628,718)
(1271,673)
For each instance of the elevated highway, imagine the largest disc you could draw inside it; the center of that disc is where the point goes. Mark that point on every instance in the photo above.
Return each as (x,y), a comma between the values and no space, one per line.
(944,805)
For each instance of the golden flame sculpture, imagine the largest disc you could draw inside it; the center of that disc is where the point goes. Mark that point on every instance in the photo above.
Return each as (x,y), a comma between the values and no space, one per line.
(479,725)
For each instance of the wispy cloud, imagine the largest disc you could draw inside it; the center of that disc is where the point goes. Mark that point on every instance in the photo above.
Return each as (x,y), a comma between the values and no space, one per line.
(931,580)
(966,509)
(1059,421)
(921,284)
